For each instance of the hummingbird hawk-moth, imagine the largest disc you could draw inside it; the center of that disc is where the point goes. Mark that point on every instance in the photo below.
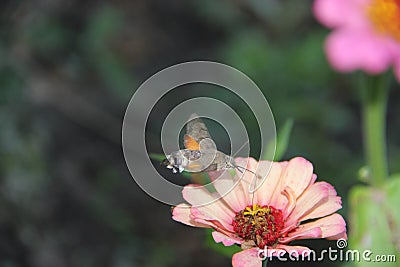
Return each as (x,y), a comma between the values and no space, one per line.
(200,153)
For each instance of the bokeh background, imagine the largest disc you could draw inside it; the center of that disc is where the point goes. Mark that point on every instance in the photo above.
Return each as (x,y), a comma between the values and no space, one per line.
(67,72)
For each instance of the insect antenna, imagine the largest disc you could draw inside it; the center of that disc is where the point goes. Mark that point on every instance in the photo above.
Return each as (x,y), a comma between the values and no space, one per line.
(242,169)
(253,183)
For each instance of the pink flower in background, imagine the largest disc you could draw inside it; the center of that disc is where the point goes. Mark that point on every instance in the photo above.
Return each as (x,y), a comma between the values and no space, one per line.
(288,205)
(366,34)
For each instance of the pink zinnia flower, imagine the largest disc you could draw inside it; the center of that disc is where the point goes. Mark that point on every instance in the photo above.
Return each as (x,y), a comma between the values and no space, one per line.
(272,216)
(366,34)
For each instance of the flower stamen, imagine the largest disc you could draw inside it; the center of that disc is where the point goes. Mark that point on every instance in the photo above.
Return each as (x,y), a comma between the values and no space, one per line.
(385,17)
(261,224)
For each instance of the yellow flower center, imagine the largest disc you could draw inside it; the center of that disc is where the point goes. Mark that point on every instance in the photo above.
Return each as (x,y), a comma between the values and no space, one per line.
(385,16)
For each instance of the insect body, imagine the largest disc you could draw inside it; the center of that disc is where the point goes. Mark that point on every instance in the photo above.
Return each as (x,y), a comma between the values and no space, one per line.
(200,153)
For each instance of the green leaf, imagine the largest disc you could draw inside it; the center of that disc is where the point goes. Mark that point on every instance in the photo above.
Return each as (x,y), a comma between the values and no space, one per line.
(283,139)
(219,247)
(282,142)
(392,189)
(158,157)
(370,229)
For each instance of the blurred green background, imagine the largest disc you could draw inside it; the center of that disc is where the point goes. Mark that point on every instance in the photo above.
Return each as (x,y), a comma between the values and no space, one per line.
(67,72)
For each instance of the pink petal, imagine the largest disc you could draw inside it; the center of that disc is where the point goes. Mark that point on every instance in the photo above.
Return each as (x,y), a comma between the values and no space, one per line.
(324,208)
(313,179)
(331,227)
(335,13)
(232,191)
(190,216)
(181,213)
(342,235)
(198,196)
(247,178)
(216,225)
(206,215)
(246,258)
(297,235)
(297,175)
(315,194)
(349,50)
(272,171)
(226,240)
(289,194)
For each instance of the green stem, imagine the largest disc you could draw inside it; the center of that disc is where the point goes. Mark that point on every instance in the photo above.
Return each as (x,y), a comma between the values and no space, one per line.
(375,94)
(265,262)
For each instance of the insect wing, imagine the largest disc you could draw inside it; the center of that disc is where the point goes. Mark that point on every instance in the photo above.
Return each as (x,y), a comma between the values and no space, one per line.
(196,128)
(190,143)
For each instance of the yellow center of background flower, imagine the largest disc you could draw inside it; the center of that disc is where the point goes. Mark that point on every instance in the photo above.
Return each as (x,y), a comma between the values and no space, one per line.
(385,16)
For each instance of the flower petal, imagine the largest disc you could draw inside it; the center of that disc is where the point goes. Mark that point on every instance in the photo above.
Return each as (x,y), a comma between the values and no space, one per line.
(349,50)
(315,194)
(198,196)
(208,205)
(246,258)
(207,216)
(289,194)
(335,13)
(226,240)
(232,191)
(247,178)
(191,216)
(272,173)
(313,179)
(324,207)
(297,235)
(181,213)
(331,227)
(297,175)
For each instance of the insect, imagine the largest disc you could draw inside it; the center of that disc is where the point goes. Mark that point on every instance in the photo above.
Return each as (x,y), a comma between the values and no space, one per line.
(200,153)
